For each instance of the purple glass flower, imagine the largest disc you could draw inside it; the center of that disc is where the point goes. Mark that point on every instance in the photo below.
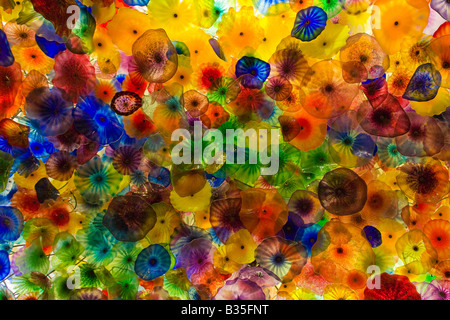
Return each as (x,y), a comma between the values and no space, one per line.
(260,276)
(195,255)
(51,108)
(443,287)
(442,7)
(427,291)
(239,289)
(184,235)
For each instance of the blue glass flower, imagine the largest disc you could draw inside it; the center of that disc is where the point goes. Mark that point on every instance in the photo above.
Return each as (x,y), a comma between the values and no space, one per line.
(120,77)
(24,162)
(373,235)
(98,249)
(309,23)
(345,142)
(136,2)
(95,119)
(5,265)
(50,48)
(214,238)
(35,129)
(6,56)
(152,262)
(97,180)
(160,175)
(308,236)
(255,67)
(126,140)
(11,223)
(138,178)
(424,84)
(6,245)
(290,230)
(51,109)
(5,146)
(39,150)
(364,146)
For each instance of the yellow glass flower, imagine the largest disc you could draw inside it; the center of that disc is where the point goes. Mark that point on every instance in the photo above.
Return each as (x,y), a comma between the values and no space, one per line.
(76,222)
(241,247)
(239,30)
(339,292)
(416,252)
(384,259)
(195,202)
(103,43)
(398,20)
(398,81)
(8,14)
(222,261)
(108,62)
(435,106)
(174,16)
(206,13)
(167,219)
(302,294)
(32,58)
(415,53)
(328,43)
(396,61)
(200,50)
(358,23)
(440,56)
(390,178)
(64,186)
(404,271)
(272,36)
(126,26)
(391,231)
(443,212)
(202,219)
(287,287)
(183,75)
(19,34)
(29,181)
(103,14)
